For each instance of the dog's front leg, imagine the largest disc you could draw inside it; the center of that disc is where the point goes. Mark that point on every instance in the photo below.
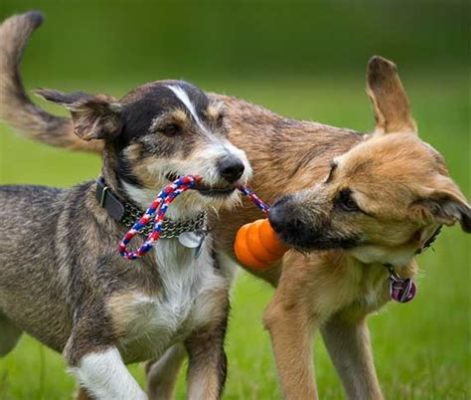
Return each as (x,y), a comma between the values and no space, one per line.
(207,365)
(348,343)
(162,374)
(104,376)
(291,330)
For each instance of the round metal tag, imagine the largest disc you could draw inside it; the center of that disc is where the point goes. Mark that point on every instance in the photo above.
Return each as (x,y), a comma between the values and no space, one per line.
(190,239)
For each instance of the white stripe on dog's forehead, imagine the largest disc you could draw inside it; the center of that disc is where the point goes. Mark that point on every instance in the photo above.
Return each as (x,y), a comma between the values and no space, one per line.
(183,97)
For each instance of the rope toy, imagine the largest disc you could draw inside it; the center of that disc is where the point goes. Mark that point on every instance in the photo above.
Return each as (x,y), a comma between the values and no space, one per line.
(158,208)
(264,207)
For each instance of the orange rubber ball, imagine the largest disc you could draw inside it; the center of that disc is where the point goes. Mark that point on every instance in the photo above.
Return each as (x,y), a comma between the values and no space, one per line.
(256,245)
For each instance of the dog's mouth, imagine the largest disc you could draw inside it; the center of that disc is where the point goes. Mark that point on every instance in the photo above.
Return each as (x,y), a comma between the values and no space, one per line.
(207,190)
(305,240)
(322,244)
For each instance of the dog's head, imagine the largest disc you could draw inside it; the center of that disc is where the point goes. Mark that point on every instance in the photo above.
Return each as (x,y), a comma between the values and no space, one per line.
(385,198)
(157,132)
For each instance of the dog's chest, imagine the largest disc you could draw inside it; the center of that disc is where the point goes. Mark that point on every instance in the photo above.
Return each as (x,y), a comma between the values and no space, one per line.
(359,288)
(369,286)
(150,324)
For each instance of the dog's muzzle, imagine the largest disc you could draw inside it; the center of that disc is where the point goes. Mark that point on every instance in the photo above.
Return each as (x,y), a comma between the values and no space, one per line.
(230,169)
(305,235)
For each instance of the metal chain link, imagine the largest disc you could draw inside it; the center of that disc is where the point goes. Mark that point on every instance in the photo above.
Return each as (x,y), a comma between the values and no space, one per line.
(170,229)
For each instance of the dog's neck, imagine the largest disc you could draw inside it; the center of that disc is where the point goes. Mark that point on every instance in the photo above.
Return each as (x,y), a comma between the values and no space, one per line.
(369,255)
(401,255)
(405,270)
(181,208)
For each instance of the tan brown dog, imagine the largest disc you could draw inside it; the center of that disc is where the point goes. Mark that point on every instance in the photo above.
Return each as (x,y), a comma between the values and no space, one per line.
(369,205)
(356,206)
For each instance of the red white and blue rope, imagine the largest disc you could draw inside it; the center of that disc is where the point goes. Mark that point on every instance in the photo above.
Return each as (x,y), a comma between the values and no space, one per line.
(264,207)
(160,206)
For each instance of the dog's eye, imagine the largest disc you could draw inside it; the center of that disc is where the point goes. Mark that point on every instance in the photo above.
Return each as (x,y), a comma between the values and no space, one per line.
(171,130)
(333,167)
(220,119)
(346,202)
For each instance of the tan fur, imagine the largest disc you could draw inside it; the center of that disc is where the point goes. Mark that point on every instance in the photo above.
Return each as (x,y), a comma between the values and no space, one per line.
(389,99)
(82,395)
(202,362)
(215,111)
(120,307)
(162,374)
(142,165)
(177,116)
(335,291)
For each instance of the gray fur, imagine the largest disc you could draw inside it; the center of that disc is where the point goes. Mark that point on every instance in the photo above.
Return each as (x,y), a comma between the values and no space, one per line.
(62,279)
(48,260)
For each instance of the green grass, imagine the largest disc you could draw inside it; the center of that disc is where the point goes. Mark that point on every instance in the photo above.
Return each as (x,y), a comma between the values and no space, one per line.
(422,349)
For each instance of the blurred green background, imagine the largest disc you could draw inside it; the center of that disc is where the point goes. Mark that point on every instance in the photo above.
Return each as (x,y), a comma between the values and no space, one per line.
(304,60)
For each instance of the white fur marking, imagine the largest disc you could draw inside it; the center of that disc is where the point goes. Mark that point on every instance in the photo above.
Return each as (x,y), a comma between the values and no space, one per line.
(106,377)
(183,97)
(369,254)
(185,303)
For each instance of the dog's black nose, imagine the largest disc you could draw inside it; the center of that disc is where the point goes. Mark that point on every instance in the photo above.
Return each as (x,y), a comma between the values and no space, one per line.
(231,169)
(277,216)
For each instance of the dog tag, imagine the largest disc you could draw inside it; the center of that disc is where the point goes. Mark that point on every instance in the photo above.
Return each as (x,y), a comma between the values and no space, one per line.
(401,290)
(190,239)
(193,240)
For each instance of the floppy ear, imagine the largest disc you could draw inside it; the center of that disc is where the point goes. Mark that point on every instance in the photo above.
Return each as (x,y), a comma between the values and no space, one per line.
(94,117)
(390,103)
(447,206)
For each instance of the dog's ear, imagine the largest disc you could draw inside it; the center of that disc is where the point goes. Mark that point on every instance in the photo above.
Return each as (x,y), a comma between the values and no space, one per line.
(94,117)
(390,102)
(445,205)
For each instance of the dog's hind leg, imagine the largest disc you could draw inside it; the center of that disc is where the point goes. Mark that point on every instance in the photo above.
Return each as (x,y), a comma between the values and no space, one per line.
(348,344)
(9,335)
(162,374)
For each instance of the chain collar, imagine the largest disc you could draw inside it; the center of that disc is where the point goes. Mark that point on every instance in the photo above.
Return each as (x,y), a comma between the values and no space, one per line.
(170,228)
(127,214)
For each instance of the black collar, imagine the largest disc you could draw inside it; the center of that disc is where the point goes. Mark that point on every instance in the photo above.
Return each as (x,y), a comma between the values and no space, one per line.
(128,214)
(426,245)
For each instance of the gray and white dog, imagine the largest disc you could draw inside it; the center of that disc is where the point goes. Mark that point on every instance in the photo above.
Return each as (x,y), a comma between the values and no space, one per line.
(62,279)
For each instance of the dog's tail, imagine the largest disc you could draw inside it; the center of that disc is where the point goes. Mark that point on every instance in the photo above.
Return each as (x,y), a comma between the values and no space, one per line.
(15,106)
